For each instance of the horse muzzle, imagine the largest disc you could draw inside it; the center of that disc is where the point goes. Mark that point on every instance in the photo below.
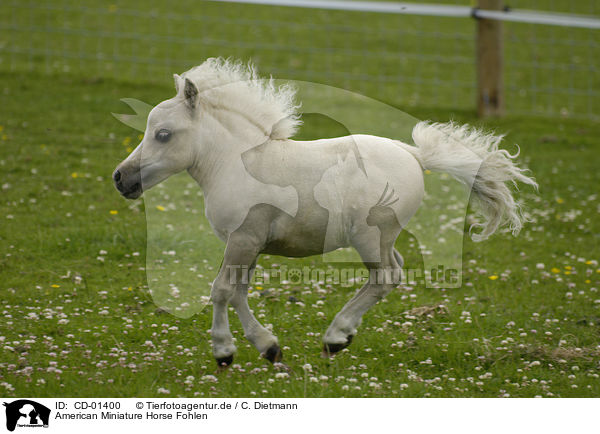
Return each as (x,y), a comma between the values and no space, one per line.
(129,186)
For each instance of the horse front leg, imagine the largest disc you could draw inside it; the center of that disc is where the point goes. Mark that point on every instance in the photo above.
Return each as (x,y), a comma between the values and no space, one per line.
(259,336)
(240,254)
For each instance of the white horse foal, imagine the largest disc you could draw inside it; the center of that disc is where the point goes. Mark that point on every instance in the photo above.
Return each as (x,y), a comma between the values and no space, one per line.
(266,193)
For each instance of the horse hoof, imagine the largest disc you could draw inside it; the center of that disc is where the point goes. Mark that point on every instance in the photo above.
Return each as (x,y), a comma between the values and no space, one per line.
(330,350)
(224,362)
(273,354)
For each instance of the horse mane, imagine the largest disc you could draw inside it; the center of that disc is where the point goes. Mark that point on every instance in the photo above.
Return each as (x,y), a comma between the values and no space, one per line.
(235,86)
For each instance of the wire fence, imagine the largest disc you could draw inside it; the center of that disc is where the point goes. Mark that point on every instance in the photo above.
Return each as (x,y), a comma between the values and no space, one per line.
(406,60)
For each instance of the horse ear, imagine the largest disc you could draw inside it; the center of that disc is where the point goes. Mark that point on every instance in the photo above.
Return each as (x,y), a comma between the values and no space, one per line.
(190,92)
(177,79)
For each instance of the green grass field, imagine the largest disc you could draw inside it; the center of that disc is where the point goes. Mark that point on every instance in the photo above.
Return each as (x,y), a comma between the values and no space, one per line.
(77,318)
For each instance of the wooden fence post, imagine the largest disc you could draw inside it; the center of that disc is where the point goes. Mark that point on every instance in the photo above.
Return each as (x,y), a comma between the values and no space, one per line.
(490,98)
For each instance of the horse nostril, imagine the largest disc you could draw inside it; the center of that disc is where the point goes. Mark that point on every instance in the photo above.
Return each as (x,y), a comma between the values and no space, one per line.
(117,176)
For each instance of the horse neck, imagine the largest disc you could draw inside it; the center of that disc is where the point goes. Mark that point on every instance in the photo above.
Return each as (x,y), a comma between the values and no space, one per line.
(224,144)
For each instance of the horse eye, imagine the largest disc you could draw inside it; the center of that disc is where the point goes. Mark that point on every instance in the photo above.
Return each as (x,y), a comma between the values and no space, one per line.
(163,135)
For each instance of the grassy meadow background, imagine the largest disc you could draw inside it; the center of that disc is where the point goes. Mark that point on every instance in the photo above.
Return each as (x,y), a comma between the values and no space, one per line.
(76,315)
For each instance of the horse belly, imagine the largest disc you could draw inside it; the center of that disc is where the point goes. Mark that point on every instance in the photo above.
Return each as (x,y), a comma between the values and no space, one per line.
(304,234)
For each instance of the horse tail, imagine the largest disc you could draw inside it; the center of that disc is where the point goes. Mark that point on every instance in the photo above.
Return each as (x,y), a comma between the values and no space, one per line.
(472,157)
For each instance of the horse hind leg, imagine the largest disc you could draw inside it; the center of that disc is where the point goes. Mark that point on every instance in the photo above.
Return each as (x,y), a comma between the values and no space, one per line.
(384,275)
(399,258)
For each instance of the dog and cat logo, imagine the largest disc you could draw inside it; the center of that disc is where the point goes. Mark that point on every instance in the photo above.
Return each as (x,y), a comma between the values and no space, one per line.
(25,413)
